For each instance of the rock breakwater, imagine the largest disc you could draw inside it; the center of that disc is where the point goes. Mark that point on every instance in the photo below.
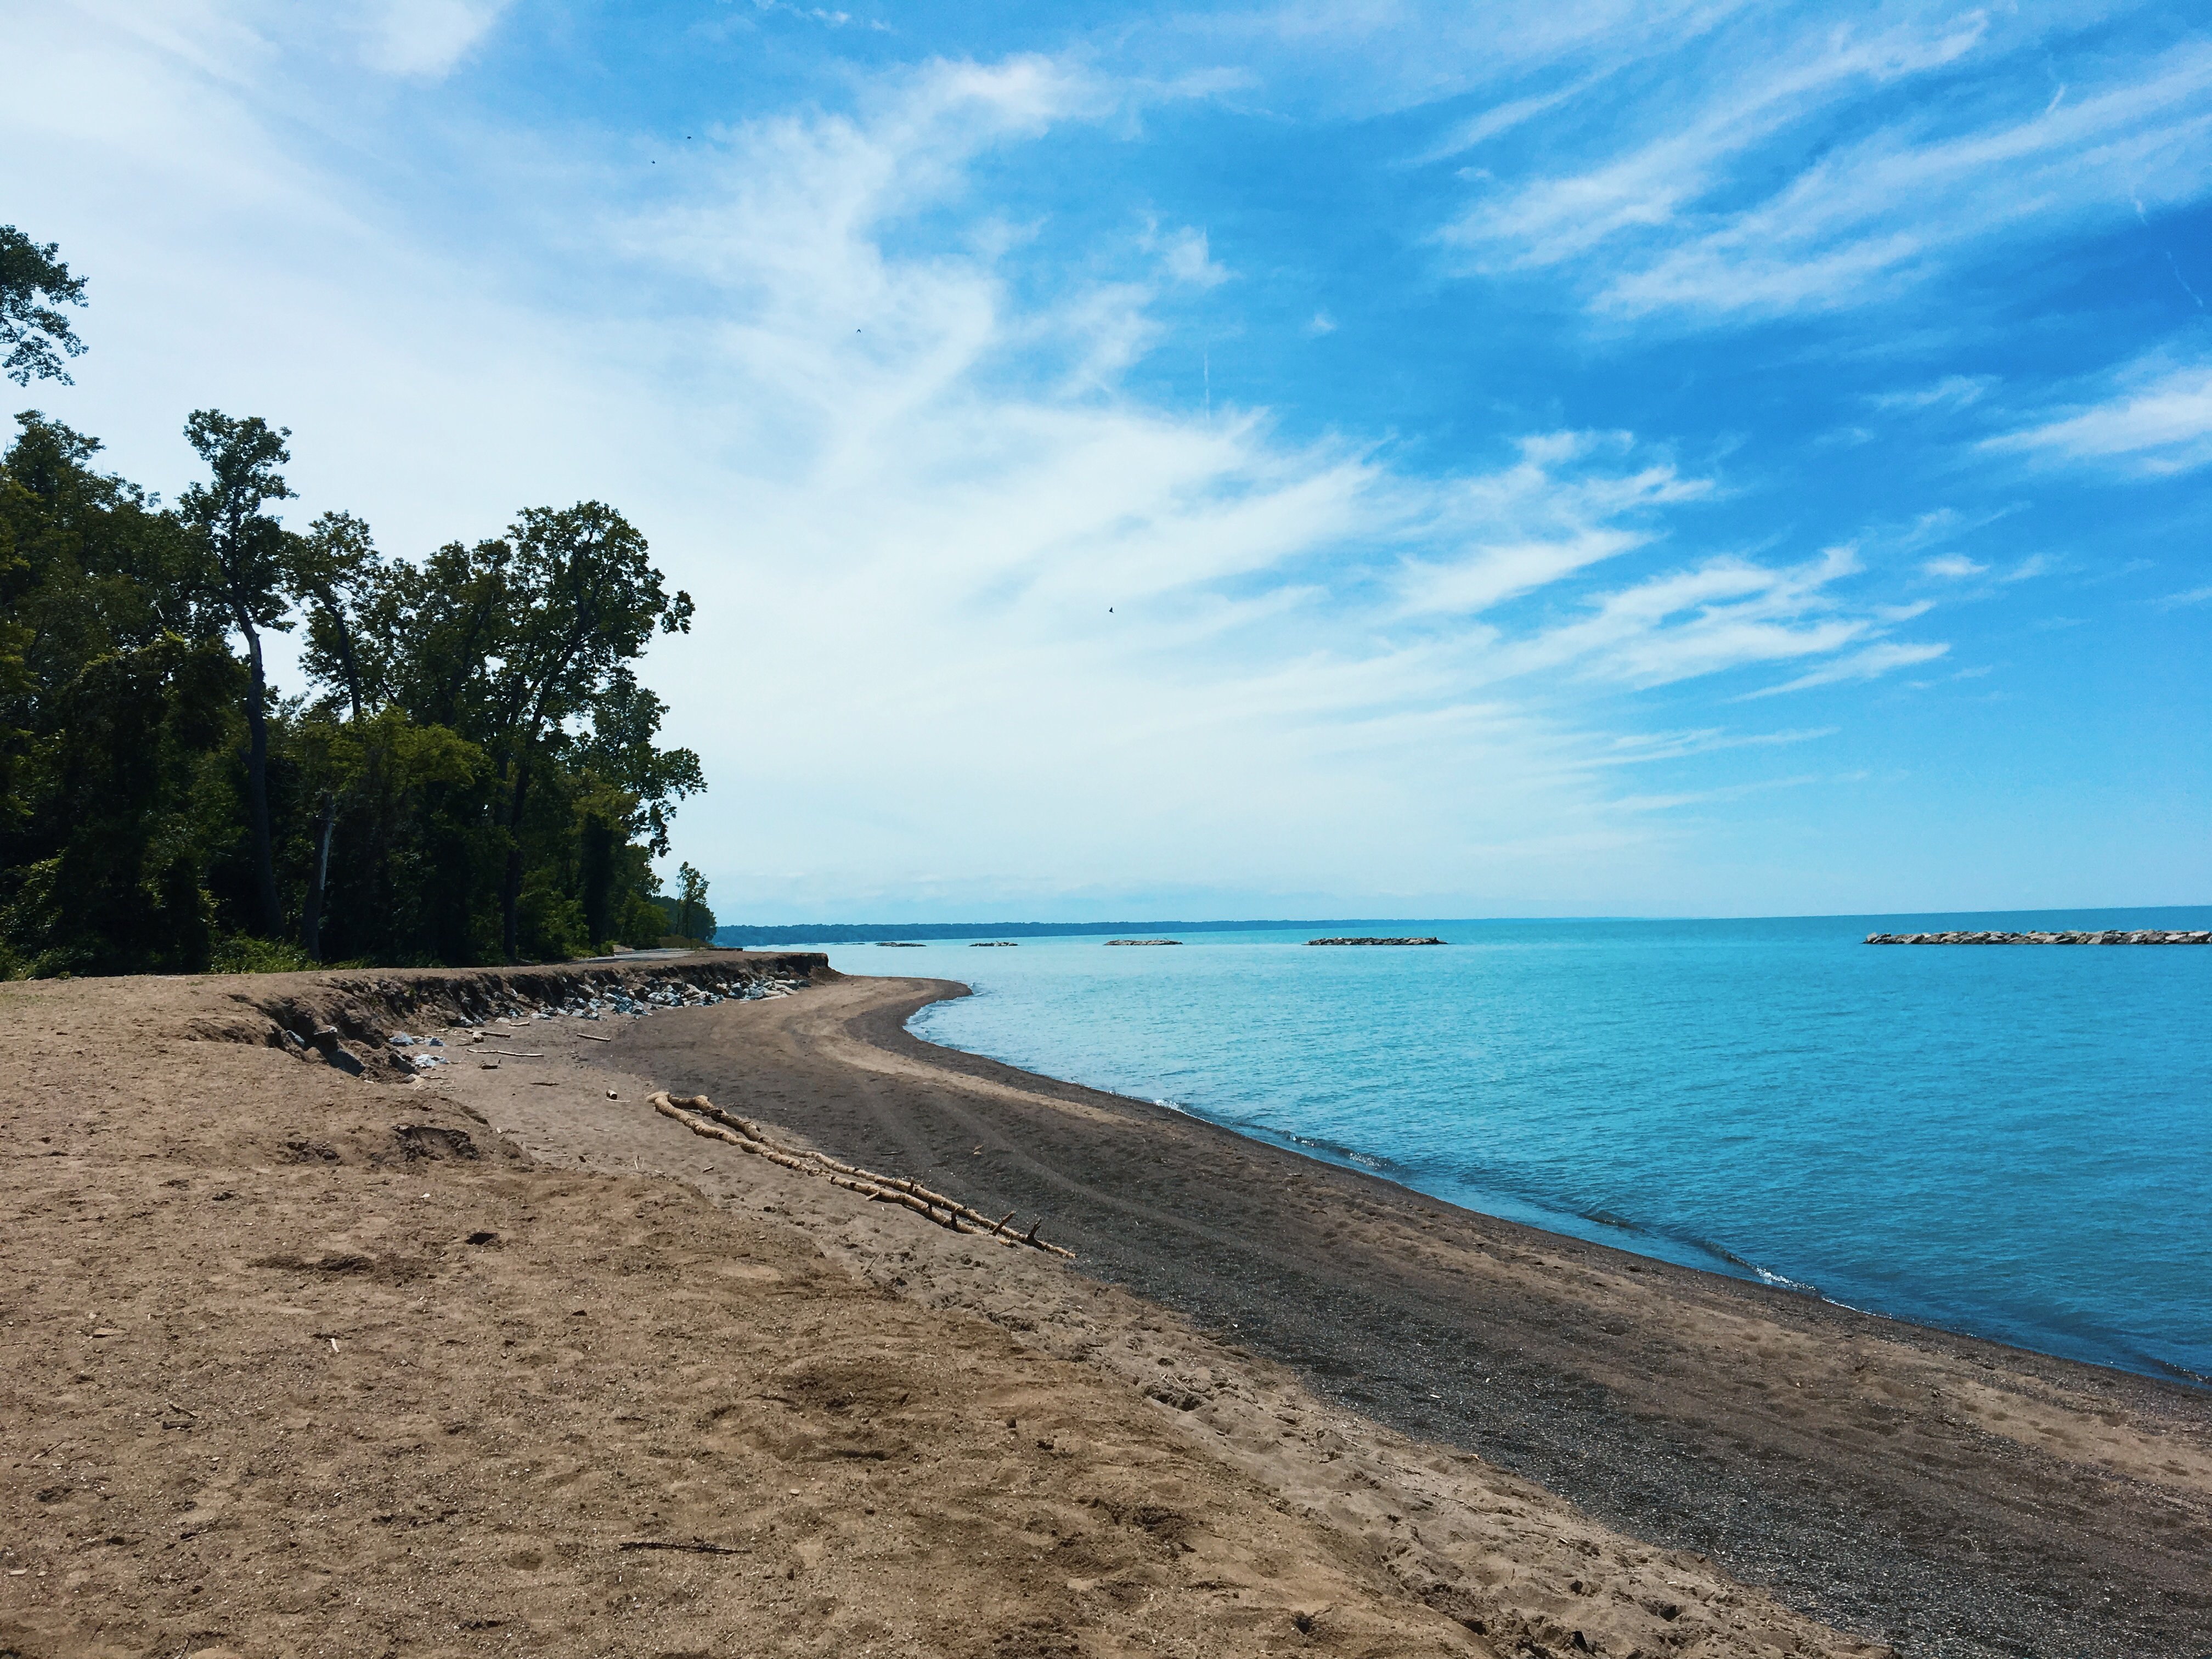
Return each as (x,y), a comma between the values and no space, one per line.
(1374,941)
(2108,936)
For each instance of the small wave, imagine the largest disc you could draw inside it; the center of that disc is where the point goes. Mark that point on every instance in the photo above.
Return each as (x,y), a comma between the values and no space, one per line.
(1365,1160)
(1763,1275)
(2200,1378)
(1781,1283)
(1607,1219)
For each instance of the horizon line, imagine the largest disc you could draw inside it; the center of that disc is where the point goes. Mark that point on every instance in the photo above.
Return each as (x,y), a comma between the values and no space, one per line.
(866,932)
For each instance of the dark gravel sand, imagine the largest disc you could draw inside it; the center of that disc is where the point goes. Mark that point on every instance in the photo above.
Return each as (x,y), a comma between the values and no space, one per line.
(1949,1496)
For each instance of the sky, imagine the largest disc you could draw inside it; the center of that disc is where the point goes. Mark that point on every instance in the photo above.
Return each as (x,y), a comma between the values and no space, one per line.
(1628,457)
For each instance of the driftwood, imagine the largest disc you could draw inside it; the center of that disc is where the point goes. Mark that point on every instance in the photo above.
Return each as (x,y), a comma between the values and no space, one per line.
(702,1117)
(589,1036)
(512,1053)
(696,1546)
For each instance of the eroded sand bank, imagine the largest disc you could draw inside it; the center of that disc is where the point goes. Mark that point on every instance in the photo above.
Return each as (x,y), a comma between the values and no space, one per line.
(298,1362)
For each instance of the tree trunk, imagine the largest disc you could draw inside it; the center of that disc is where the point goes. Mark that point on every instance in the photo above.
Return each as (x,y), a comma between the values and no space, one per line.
(257,786)
(510,898)
(311,921)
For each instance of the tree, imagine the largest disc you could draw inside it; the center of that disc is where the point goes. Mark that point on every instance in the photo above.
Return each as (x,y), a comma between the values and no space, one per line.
(32,282)
(123,893)
(582,603)
(110,747)
(691,910)
(247,552)
(333,568)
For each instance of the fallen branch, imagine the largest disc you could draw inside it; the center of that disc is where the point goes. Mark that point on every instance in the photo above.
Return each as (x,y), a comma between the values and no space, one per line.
(696,1546)
(591,1037)
(705,1107)
(512,1054)
(702,1117)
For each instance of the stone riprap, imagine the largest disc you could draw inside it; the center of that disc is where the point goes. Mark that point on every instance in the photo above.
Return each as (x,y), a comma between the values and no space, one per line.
(2109,936)
(1374,941)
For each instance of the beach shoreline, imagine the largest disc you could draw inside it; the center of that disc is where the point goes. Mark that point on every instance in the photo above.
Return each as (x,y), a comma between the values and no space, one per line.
(1836,1456)
(1275,1405)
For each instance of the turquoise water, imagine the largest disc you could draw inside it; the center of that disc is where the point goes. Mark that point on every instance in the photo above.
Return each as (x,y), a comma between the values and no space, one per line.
(2015,1142)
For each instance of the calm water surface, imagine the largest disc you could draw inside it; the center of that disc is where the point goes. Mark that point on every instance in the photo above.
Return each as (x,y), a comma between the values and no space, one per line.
(2012,1141)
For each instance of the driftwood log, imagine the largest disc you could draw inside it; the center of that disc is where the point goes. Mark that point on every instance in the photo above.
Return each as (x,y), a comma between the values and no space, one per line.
(702,1117)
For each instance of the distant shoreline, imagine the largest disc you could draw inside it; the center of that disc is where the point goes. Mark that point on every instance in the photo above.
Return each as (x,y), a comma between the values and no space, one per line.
(765,936)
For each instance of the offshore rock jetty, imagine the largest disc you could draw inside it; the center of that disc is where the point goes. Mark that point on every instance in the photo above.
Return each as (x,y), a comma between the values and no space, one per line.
(1374,941)
(2109,936)
(1143,941)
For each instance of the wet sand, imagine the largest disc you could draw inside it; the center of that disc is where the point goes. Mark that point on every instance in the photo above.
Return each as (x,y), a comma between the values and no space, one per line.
(1944,1494)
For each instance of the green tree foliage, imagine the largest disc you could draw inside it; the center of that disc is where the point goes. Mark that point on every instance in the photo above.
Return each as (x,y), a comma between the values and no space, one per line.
(693,918)
(245,550)
(475,774)
(32,282)
(582,604)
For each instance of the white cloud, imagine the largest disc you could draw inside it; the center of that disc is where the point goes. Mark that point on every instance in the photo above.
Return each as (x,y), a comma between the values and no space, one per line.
(1550,221)
(1530,524)
(1951,391)
(2153,418)
(2193,596)
(426,37)
(1187,260)
(1726,614)
(1688,218)
(1953,566)
(1868,664)
(822,15)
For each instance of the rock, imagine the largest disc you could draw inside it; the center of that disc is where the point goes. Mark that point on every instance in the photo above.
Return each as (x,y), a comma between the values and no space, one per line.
(2106,936)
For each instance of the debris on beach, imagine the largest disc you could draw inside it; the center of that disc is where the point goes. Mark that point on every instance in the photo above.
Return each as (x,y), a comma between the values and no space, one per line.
(473,1007)
(702,1117)
(2107,936)
(1374,941)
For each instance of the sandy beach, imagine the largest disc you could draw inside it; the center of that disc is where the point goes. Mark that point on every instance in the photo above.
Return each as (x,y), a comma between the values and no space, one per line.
(504,1359)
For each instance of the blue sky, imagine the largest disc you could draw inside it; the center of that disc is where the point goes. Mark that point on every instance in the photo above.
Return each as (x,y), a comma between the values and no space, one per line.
(1353,460)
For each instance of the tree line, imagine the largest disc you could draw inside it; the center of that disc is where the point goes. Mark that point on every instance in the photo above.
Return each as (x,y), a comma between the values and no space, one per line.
(473,773)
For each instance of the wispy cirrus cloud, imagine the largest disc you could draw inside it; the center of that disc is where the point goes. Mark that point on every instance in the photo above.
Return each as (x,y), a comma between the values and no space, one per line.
(1657,182)
(1951,391)
(1728,613)
(2150,418)
(1871,663)
(423,38)
(1771,193)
